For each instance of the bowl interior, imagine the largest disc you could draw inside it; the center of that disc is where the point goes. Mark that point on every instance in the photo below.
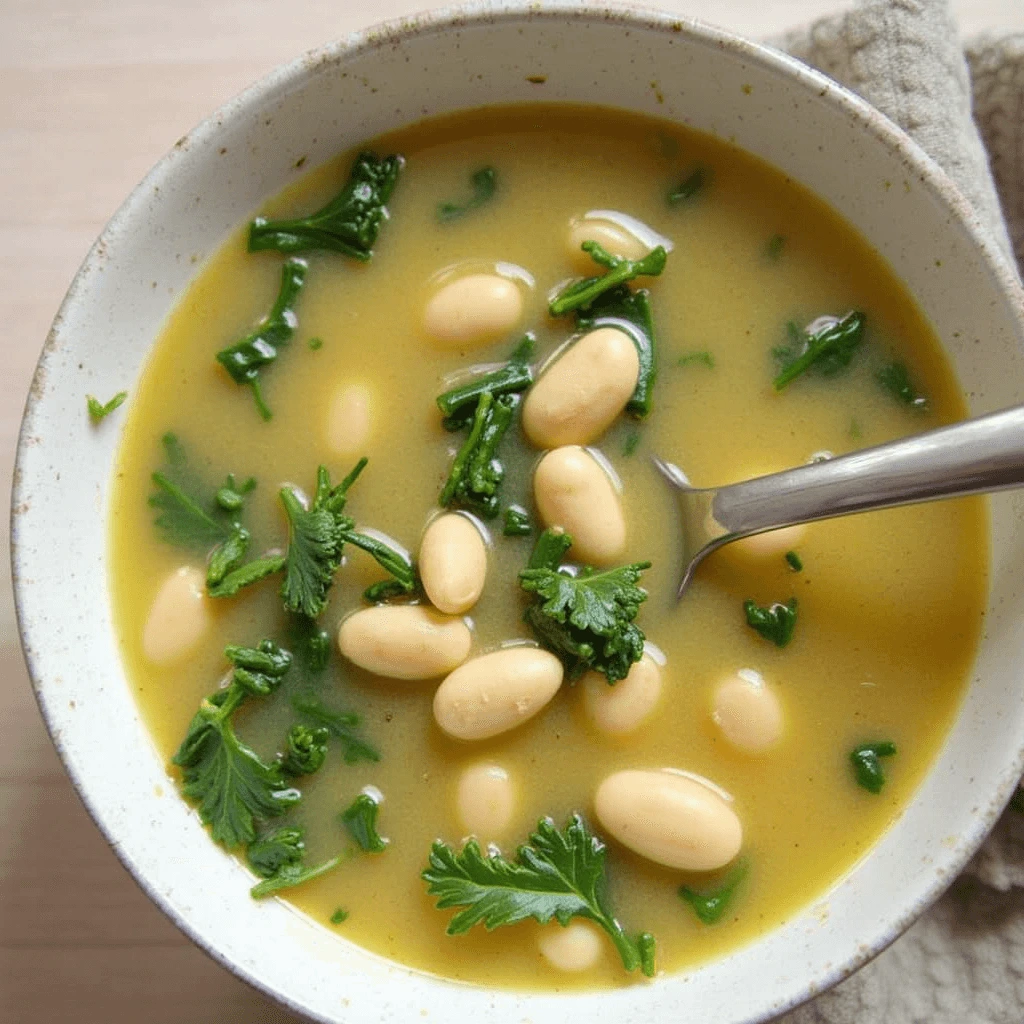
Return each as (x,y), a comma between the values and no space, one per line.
(331,100)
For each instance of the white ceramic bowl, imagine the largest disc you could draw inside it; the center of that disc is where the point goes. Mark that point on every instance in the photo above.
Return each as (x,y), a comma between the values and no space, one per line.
(215,177)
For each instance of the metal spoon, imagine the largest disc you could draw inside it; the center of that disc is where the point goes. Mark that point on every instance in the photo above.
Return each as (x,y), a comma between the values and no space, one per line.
(983,454)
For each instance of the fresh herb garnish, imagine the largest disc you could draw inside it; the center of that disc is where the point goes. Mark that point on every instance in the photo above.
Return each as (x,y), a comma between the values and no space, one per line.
(98,411)
(290,876)
(895,378)
(517,522)
(237,577)
(582,294)
(316,536)
(231,785)
(689,188)
(360,819)
(709,906)
(558,875)
(231,497)
(342,725)
(485,184)
(477,472)
(630,312)
(867,764)
(458,404)
(775,622)
(393,560)
(632,442)
(697,358)
(585,618)
(794,561)
(305,750)
(774,246)
(282,848)
(246,358)
(310,644)
(829,348)
(339,916)
(348,224)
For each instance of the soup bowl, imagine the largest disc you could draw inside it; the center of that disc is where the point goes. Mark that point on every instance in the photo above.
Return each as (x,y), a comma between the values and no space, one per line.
(330,100)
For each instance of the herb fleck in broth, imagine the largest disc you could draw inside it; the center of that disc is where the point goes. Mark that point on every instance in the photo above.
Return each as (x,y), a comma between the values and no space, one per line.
(886,632)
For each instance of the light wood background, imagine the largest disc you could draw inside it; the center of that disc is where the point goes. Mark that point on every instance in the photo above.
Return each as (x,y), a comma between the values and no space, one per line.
(92,92)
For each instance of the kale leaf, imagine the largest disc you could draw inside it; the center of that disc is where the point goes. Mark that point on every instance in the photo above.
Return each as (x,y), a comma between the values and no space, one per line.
(710,905)
(867,764)
(774,622)
(586,619)
(558,875)
(360,819)
(233,787)
(348,224)
(246,358)
(306,750)
(341,724)
(485,184)
(582,294)
(828,345)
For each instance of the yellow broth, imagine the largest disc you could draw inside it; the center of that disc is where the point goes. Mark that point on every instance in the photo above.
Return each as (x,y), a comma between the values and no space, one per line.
(891,604)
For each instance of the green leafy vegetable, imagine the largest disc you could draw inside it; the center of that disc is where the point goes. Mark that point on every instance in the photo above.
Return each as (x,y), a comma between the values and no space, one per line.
(459,403)
(348,224)
(896,380)
(98,411)
(775,622)
(315,344)
(794,561)
(231,785)
(231,497)
(306,750)
(582,294)
(316,536)
(341,724)
(585,619)
(339,916)
(774,246)
(632,442)
(695,358)
(283,848)
(392,559)
(693,184)
(360,819)
(484,184)
(517,522)
(549,550)
(558,875)
(245,575)
(246,358)
(290,876)
(310,644)
(828,345)
(709,906)
(630,312)
(477,472)
(867,764)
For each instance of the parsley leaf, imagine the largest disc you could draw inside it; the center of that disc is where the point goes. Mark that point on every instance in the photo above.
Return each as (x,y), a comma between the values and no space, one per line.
(246,358)
(341,724)
(555,874)
(360,818)
(485,184)
(709,906)
(775,622)
(306,750)
(867,764)
(582,294)
(316,536)
(231,785)
(290,876)
(896,380)
(98,411)
(828,344)
(586,619)
(348,224)
(280,849)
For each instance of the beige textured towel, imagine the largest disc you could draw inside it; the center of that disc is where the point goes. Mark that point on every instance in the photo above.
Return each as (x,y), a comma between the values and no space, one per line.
(963,962)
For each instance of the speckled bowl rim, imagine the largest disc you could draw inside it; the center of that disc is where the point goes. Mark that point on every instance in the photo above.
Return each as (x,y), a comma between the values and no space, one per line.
(287,77)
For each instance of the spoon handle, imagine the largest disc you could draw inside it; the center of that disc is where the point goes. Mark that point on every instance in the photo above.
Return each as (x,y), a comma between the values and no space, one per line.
(983,454)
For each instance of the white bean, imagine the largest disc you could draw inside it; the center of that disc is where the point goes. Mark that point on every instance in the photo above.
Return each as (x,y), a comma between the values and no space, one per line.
(576,947)
(496,692)
(748,712)
(404,641)
(349,421)
(453,563)
(573,491)
(178,618)
(615,238)
(624,707)
(473,309)
(579,395)
(671,819)
(485,800)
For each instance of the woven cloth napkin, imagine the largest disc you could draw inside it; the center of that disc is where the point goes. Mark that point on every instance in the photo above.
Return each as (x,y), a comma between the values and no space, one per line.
(963,962)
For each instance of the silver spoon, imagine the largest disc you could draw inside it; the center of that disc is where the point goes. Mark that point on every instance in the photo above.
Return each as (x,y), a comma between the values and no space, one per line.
(983,454)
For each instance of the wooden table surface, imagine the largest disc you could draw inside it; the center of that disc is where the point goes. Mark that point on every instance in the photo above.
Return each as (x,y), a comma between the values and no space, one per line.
(92,92)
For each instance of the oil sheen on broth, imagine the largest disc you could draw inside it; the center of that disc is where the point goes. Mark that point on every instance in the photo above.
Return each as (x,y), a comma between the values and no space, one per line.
(886,631)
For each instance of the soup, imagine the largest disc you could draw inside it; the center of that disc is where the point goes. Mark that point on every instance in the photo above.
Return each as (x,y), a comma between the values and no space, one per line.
(736,751)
